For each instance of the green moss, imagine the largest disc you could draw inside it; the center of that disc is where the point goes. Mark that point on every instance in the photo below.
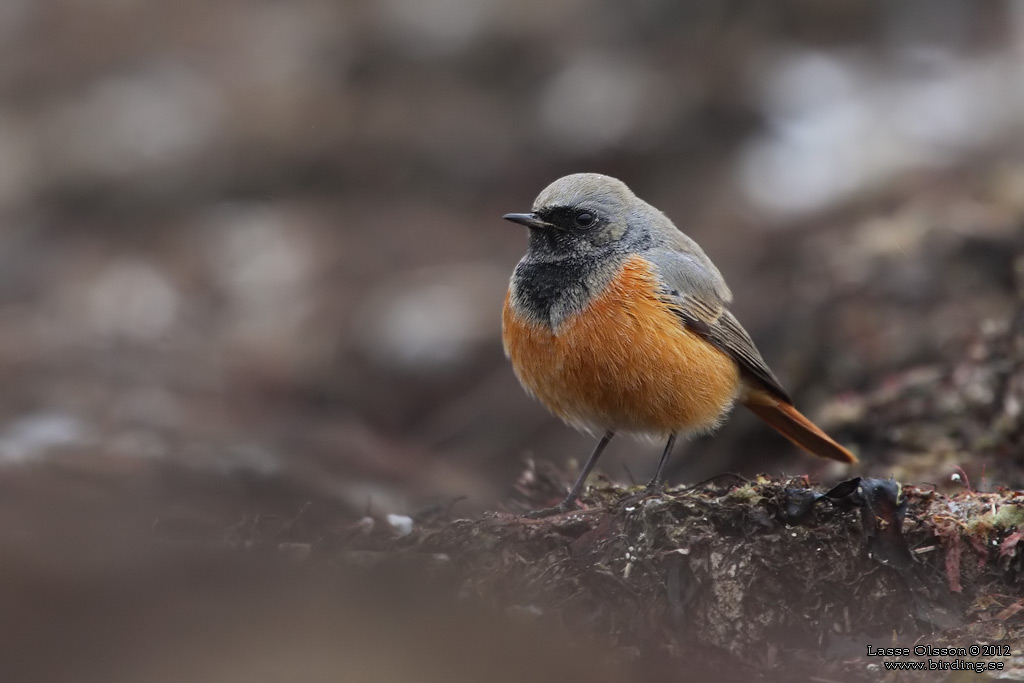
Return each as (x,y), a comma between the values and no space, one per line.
(1007,517)
(747,493)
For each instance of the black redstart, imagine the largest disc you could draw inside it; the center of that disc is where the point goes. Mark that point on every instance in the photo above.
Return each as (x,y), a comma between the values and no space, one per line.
(618,323)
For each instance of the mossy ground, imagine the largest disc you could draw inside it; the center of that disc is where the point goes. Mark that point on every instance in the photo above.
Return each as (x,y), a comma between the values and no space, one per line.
(724,576)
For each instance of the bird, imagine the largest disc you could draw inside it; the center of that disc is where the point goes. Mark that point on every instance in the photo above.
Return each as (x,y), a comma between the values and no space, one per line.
(619,323)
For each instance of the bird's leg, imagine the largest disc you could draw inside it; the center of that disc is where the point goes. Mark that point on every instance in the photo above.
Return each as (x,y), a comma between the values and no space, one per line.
(655,484)
(574,492)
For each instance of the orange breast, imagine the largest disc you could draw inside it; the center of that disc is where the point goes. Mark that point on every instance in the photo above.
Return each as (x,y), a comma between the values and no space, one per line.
(626,363)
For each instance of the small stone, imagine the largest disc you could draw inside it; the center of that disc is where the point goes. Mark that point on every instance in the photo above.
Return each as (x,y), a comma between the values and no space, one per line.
(400,524)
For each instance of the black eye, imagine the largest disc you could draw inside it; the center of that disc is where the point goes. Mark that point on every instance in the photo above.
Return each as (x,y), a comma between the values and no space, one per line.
(584,219)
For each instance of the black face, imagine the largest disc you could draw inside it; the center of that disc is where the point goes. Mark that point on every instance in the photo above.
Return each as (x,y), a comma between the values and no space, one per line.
(571,219)
(568,231)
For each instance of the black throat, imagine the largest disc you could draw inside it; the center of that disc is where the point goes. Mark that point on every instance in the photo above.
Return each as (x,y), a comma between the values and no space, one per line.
(545,289)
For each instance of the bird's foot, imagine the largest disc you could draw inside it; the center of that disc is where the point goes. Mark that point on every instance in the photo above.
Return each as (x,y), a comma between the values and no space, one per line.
(654,488)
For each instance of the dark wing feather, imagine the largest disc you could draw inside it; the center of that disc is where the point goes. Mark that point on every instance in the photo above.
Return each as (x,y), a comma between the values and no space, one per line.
(717,325)
(695,290)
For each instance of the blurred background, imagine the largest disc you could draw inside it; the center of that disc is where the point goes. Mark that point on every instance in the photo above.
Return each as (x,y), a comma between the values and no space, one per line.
(252,259)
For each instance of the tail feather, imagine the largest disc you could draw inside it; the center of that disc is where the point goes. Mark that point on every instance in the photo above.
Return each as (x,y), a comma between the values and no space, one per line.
(792,424)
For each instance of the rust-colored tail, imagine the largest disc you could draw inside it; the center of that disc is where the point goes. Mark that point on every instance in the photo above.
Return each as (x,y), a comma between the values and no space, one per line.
(791,423)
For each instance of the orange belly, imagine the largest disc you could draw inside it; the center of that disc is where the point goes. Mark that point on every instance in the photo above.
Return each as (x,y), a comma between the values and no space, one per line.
(627,363)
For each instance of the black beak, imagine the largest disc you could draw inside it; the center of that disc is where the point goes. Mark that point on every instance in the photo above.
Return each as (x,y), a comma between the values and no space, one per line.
(530,220)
